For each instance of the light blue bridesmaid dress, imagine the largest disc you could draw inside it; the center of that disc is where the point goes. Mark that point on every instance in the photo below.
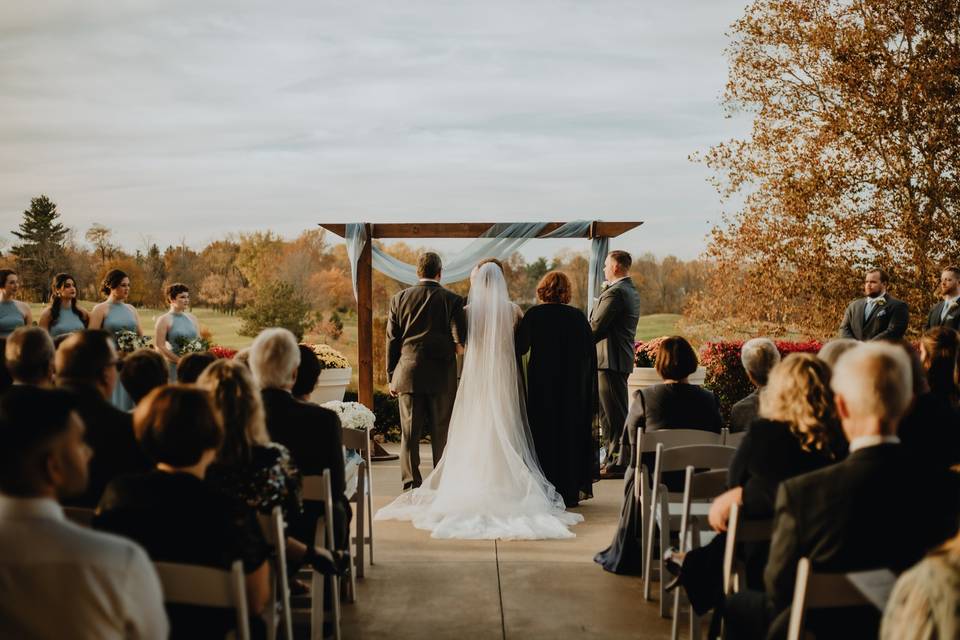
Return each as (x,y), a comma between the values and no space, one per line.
(10,318)
(120,318)
(67,322)
(180,327)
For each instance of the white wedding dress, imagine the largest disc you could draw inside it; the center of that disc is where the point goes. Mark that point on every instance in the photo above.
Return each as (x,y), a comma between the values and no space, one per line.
(488,484)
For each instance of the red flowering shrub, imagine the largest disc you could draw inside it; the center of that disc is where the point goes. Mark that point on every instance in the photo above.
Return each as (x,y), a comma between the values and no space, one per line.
(726,376)
(222,352)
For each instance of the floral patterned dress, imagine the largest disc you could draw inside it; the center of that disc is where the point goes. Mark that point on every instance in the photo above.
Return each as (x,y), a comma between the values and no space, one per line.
(925,603)
(270,479)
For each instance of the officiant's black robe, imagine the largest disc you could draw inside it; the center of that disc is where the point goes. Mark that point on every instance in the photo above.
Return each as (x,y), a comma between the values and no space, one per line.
(561,393)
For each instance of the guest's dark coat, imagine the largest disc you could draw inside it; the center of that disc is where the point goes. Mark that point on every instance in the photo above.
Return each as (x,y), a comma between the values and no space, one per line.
(109,432)
(931,430)
(887,320)
(744,411)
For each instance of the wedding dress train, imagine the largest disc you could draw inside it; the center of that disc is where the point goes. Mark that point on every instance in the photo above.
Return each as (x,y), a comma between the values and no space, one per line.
(488,484)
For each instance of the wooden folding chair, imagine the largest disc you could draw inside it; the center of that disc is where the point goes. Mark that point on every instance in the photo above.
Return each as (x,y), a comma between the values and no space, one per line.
(273,530)
(207,587)
(79,515)
(732,439)
(647,443)
(700,487)
(363,497)
(318,488)
(813,590)
(666,506)
(741,530)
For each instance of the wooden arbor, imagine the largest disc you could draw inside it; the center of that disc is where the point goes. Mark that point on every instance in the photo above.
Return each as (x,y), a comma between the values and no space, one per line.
(418,230)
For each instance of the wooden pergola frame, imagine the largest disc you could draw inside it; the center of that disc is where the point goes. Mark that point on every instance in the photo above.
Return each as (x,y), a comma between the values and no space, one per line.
(422,230)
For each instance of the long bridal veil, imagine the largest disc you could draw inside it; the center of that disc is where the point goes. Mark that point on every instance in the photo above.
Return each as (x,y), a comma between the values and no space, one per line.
(488,484)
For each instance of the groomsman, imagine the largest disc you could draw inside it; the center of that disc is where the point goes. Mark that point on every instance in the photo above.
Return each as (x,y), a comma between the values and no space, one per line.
(947,312)
(422,363)
(876,316)
(614,324)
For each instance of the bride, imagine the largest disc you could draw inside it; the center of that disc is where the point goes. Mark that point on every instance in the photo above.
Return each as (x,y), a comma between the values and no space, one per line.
(488,484)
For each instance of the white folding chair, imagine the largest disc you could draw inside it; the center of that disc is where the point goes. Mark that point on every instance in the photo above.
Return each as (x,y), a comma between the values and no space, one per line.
(647,443)
(363,497)
(741,530)
(318,488)
(79,515)
(732,439)
(207,587)
(813,590)
(273,530)
(700,487)
(666,506)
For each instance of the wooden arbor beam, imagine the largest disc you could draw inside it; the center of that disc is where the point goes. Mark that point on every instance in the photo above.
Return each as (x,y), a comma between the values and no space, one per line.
(422,230)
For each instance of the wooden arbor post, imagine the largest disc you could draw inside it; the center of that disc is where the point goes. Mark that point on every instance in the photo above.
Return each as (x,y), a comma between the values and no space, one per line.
(421,230)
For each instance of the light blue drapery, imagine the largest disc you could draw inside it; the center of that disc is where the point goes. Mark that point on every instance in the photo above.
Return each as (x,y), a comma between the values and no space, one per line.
(500,241)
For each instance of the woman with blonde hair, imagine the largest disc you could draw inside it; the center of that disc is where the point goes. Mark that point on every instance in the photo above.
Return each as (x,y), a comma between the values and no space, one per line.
(798,431)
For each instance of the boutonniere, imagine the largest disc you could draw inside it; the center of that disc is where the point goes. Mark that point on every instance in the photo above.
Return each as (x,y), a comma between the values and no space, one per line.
(881,301)
(953,305)
(604,286)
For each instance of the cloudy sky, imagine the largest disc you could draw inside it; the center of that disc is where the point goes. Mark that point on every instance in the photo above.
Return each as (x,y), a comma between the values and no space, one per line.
(187,120)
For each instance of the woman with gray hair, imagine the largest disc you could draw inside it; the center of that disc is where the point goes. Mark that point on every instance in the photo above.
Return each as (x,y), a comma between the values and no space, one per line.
(310,432)
(759,356)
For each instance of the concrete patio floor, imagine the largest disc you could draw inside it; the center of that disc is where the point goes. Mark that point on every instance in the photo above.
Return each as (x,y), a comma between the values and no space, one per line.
(464,589)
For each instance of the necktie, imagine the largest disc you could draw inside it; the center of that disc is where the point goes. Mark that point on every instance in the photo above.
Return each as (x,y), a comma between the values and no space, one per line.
(946,306)
(868,309)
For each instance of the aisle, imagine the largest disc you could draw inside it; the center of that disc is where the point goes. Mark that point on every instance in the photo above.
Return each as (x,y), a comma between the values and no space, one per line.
(459,589)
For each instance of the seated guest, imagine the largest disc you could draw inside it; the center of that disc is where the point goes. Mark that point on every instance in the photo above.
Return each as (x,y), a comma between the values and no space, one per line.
(29,357)
(192,365)
(86,363)
(758,356)
(308,372)
(841,517)
(58,579)
(831,351)
(243,357)
(310,432)
(179,518)
(925,603)
(5,380)
(143,371)
(931,428)
(675,404)
(797,432)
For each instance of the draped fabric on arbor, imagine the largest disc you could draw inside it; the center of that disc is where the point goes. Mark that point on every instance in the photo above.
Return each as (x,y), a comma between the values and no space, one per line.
(499,241)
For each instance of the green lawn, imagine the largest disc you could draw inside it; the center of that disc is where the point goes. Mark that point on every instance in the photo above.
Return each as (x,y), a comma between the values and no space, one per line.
(656,325)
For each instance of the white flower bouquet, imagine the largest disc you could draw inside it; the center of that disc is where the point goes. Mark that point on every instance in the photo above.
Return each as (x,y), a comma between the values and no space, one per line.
(353,415)
(128,341)
(184,345)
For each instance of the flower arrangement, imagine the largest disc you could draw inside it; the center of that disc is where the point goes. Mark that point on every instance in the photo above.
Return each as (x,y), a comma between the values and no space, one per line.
(353,415)
(128,341)
(183,345)
(329,357)
(645,353)
(218,351)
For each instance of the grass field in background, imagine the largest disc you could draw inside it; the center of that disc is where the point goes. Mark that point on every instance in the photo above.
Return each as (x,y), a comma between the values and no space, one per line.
(656,325)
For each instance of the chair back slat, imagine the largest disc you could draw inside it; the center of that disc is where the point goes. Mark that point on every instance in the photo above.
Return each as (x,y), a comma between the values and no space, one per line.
(701,456)
(647,441)
(356,439)
(741,530)
(707,485)
(207,587)
(814,590)
(733,439)
(314,488)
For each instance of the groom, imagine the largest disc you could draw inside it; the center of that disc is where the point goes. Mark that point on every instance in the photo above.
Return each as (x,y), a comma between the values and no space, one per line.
(422,363)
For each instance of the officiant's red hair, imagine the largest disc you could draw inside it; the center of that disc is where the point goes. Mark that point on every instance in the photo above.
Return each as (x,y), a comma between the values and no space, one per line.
(554,287)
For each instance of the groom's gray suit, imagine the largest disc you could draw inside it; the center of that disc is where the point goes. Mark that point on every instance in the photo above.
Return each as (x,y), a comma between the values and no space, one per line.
(422,368)
(614,324)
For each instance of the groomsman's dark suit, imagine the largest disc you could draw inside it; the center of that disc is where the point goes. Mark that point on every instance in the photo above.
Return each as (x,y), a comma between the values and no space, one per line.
(937,318)
(614,324)
(888,319)
(422,368)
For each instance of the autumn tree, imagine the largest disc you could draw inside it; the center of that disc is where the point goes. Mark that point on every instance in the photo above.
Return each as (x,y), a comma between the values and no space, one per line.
(40,252)
(224,287)
(852,160)
(277,304)
(99,236)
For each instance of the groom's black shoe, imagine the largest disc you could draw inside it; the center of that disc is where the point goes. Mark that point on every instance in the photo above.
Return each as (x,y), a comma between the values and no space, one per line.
(611,472)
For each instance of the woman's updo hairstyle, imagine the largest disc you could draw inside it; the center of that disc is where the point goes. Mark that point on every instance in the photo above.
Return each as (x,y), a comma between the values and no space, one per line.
(176,289)
(112,280)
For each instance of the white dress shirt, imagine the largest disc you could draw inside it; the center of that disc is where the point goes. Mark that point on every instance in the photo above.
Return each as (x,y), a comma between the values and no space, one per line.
(872,441)
(60,580)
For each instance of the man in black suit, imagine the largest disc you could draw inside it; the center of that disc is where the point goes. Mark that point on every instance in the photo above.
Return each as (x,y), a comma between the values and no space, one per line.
(613,321)
(422,363)
(309,431)
(878,508)
(877,316)
(86,364)
(946,313)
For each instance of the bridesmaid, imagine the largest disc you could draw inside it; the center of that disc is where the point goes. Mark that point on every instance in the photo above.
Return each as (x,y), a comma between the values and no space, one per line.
(174,325)
(115,315)
(58,320)
(13,313)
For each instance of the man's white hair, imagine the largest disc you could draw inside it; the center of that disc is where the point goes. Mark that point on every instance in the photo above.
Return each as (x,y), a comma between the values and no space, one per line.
(759,356)
(875,380)
(274,356)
